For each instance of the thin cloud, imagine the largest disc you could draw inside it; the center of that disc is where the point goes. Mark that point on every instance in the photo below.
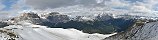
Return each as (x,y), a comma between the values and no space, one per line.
(1,5)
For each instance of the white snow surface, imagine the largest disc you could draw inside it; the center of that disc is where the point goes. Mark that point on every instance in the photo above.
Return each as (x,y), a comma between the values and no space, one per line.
(27,31)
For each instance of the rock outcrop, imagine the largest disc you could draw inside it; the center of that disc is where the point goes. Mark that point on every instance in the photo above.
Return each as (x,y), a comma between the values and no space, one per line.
(55,17)
(28,17)
(140,31)
(3,24)
(104,17)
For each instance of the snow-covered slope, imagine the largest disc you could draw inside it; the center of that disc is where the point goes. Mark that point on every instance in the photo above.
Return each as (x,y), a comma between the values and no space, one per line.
(147,31)
(27,31)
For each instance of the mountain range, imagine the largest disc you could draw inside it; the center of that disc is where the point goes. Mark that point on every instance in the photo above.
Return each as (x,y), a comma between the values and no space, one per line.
(102,26)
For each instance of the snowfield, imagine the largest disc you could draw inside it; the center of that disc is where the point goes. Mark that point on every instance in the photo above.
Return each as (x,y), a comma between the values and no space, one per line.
(27,31)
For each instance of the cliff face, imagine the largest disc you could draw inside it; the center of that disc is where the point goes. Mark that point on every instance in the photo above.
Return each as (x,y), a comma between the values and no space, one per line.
(3,24)
(139,31)
(28,17)
(55,17)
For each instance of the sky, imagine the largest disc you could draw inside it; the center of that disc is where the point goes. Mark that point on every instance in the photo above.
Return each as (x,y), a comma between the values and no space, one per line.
(12,7)
(7,5)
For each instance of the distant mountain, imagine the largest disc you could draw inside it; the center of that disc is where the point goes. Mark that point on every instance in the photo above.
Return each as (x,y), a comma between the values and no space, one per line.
(103,23)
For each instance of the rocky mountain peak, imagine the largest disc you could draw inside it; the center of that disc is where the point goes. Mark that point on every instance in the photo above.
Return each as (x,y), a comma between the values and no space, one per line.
(54,13)
(103,17)
(55,17)
(30,15)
